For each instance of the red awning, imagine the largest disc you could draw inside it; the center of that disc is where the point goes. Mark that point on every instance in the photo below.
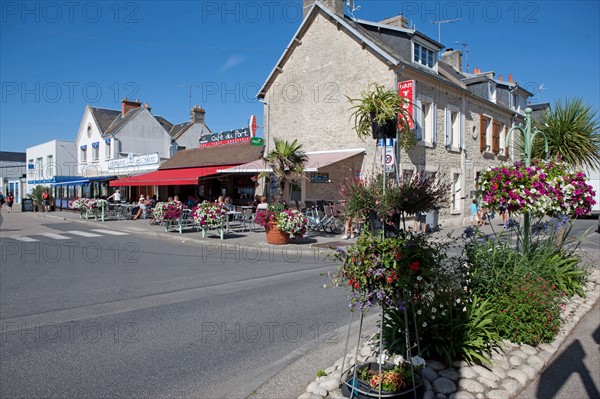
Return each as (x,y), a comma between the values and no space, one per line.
(169,177)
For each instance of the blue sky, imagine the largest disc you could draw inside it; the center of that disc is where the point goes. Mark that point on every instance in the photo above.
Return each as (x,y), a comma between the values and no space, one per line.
(56,57)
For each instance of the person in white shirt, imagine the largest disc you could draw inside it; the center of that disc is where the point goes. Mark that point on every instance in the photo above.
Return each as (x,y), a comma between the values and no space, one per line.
(116,196)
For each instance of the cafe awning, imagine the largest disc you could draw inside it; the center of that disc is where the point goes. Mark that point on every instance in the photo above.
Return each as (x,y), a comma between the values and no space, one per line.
(316,161)
(169,177)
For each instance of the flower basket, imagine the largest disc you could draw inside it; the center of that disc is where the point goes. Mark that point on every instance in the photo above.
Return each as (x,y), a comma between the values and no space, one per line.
(275,236)
(397,382)
(384,130)
(289,221)
(208,215)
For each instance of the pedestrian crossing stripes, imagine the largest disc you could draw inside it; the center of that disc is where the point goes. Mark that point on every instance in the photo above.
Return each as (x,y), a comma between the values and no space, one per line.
(68,235)
(55,236)
(83,233)
(110,232)
(24,239)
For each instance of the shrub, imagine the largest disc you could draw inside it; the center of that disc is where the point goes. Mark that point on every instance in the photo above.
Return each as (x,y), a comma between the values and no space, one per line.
(527,311)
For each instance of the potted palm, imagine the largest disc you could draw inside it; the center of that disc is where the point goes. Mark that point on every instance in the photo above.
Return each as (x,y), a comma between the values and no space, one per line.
(287,163)
(379,112)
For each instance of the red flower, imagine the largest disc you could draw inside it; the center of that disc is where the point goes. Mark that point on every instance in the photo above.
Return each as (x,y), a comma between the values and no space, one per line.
(355,285)
(414,266)
(398,256)
(389,279)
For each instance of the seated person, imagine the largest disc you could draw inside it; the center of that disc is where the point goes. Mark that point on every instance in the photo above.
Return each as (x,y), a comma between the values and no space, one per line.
(140,208)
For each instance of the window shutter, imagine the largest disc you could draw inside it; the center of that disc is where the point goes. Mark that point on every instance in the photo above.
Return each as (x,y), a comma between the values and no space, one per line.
(496,138)
(482,133)
(448,141)
(434,124)
(419,120)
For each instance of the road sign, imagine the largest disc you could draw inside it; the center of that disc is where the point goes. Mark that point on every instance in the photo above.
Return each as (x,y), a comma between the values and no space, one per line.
(257,141)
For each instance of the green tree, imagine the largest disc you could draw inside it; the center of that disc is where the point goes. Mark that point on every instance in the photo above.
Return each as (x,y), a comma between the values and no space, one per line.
(573,134)
(287,162)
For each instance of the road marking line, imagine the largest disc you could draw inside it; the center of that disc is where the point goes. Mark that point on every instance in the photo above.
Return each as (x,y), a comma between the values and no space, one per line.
(110,232)
(55,236)
(24,239)
(83,233)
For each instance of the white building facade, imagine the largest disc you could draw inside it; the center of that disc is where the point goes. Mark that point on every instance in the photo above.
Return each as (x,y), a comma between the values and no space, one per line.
(51,162)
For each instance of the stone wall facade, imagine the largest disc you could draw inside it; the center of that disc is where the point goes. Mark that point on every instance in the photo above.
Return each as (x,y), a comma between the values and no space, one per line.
(308,100)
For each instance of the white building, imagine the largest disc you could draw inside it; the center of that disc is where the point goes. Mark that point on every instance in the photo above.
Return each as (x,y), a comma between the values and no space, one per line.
(12,172)
(51,162)
(133,140)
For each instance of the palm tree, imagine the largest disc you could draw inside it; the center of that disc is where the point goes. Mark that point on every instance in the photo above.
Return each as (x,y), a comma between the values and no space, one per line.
(287,162)
(573,134)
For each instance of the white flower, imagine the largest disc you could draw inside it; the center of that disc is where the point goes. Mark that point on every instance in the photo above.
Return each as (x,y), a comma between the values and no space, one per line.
(398,360)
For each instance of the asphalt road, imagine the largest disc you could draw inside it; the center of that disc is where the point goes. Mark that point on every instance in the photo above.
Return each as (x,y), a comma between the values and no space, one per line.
(132,316)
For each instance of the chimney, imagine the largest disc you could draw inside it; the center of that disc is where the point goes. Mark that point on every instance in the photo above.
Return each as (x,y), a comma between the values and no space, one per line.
(510,77)
(500,78)
(453,58)
(197,115)
(335,6)
(128,105)
(399,21)
(148,107)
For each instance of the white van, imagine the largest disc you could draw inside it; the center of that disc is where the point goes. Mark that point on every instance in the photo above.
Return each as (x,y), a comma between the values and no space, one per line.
(594,181)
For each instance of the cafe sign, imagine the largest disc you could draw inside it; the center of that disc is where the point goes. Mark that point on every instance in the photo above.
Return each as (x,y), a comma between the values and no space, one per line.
(228,137)
(134,160)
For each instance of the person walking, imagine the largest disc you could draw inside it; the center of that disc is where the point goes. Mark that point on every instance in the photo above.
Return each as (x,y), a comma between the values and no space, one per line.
(10,199)
(1,201)
(475,220)
(46,201)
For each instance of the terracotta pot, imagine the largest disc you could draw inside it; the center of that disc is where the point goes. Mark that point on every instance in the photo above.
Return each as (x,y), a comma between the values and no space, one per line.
(276,236)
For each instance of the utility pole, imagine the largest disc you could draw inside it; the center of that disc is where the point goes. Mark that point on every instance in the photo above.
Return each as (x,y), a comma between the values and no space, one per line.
(444,21)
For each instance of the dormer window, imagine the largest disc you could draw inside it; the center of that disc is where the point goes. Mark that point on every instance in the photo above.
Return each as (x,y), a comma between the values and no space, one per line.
(424,56)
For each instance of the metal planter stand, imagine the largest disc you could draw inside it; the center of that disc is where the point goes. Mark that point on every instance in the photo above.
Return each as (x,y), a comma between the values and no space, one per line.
(352,385)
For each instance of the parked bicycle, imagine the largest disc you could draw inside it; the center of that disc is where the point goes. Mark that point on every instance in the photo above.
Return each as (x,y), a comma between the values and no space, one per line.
(322,216)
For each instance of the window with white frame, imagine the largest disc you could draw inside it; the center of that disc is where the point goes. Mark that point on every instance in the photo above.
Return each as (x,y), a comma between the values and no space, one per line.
(424,56)
(107,148)
(429,122)
(39,166)
(49,166)
(83,153)
(426,120)
(453,128)
(502,143)
(95,151)
(456,191)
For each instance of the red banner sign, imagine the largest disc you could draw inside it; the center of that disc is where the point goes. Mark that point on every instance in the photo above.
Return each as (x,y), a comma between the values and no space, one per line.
(406,90)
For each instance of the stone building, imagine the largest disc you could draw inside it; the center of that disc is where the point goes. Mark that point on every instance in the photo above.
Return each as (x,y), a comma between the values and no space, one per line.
(461,118)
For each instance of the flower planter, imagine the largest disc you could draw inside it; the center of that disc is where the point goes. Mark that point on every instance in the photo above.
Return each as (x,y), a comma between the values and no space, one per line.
(362,390)
(276,236)
(385,130)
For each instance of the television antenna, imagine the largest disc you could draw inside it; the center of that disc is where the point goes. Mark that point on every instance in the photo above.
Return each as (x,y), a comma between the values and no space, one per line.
(352,8)
(444,21)
(190,86)
(466,49)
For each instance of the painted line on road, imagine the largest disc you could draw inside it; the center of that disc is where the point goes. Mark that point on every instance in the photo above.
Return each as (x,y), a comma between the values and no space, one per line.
(83,233)
(24,239)
(150,301)
(55,236)
(110,232)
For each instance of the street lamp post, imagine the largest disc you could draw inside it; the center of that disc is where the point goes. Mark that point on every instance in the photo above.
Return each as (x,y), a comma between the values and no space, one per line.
(528,137)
